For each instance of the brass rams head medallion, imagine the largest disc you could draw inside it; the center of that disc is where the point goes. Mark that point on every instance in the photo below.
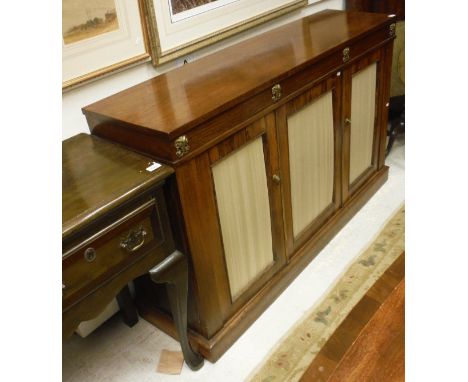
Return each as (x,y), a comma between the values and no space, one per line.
(345,54)
(182,146)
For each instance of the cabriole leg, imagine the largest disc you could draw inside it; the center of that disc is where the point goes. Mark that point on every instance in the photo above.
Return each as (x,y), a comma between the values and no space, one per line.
(173,271)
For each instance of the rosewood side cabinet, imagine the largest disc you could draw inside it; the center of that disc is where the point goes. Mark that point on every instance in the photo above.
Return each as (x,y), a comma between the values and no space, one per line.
(276,143)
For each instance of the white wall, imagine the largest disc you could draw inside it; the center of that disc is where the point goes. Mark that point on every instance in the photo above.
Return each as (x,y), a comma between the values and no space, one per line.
(74,122)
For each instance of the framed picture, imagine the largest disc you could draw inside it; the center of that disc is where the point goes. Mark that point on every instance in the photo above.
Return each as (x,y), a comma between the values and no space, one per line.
(178,27)
(100,37)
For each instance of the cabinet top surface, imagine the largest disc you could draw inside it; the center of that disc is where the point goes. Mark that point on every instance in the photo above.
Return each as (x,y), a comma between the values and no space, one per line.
(172,103)
(98,176)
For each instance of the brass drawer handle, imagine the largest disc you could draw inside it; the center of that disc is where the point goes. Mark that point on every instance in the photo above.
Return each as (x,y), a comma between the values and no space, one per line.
(276,92)
(134,240)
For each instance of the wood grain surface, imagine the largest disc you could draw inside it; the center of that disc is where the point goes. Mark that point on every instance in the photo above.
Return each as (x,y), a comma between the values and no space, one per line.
(97,176)
(174,102)
(378,354)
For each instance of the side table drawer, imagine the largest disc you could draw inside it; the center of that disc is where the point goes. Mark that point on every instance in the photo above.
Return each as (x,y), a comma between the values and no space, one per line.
(103,254)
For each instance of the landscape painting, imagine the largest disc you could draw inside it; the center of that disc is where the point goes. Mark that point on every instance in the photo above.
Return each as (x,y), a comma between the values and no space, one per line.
(84,19)
(186,5)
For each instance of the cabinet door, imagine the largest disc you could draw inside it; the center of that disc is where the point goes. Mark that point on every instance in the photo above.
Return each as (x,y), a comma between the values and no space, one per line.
(361,115)
(234,221)
(245,178)
(309,141)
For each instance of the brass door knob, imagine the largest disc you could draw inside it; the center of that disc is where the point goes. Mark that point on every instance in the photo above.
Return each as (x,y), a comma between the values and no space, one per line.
(276,179)
(347,121)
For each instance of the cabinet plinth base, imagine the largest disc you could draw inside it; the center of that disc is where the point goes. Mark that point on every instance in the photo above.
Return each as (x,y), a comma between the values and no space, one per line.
(213,348)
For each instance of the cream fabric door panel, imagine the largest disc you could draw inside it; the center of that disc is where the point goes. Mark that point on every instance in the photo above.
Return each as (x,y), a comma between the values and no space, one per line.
(362,121)
(244,214)
(311,160)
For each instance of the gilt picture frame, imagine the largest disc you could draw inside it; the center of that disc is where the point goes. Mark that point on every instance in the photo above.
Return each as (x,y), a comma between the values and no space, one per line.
(179,27)
(100,37)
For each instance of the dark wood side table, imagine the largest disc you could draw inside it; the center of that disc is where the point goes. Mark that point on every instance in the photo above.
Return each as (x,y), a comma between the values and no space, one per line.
(115,227)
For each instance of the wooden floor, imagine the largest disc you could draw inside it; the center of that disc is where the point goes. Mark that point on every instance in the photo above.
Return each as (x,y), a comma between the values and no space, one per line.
(369,345)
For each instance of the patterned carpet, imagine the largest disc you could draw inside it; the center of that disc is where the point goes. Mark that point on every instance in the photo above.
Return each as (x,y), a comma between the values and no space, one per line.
(292,355)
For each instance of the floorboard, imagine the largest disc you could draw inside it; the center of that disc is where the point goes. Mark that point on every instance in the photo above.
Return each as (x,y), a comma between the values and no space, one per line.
(369,343)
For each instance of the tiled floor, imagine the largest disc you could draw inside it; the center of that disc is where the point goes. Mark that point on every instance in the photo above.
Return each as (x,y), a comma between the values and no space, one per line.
(115,352)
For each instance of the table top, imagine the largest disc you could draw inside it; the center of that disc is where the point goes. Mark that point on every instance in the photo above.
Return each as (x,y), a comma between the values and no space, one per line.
(174,102)
(98,176)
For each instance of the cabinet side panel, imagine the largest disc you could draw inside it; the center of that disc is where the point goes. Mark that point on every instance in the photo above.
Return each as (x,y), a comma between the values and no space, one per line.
(244,214)
(311,161)
(362,121)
